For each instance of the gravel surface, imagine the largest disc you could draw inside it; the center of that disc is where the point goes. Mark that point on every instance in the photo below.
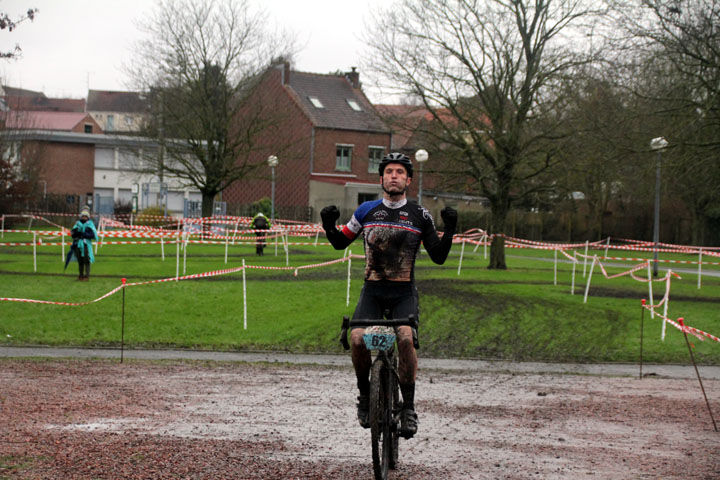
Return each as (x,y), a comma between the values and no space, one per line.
(98,419)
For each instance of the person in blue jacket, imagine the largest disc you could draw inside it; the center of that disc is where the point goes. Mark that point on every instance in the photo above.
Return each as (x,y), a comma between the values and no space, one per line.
(83,234)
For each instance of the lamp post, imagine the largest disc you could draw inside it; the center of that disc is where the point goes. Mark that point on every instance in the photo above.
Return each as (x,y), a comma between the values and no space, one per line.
(658,144)
(272,161)
(421,157)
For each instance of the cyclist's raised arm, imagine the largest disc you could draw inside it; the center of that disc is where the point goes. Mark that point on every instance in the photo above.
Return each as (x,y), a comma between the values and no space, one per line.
(339,240)
(438,249)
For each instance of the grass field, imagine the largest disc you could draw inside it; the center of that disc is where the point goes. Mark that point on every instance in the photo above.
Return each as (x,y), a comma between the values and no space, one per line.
(516,314)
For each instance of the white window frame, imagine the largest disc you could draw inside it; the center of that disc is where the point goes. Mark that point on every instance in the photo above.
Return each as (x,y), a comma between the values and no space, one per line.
(354,104)
(316,102)
(343,164)
(374,165)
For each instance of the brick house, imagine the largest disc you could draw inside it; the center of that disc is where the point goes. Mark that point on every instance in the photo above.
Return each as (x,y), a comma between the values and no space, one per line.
(328,138)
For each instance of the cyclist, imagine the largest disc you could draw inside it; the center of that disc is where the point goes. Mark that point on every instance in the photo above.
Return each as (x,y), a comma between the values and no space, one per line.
(393,228)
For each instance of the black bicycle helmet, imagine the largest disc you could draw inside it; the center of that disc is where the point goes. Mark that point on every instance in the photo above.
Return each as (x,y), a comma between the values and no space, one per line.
(396,157)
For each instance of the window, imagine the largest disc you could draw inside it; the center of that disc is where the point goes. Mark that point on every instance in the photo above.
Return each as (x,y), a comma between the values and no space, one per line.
(110,123)
(128,120)
(375,154)
(88,128)
(366,197)
(343,156)
(354,105)
(316,102)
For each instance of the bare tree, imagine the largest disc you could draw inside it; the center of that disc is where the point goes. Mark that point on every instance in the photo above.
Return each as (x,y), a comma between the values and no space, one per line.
(10,23)
(486,70)
(201,61)
(671,51)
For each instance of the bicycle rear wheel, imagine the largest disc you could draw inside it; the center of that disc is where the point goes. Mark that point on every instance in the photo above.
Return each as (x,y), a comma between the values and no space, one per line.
(380,419)
(395,408)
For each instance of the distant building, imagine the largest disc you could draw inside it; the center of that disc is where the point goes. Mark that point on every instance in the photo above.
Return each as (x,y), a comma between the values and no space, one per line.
(329,141)
(59,121)
(118,112)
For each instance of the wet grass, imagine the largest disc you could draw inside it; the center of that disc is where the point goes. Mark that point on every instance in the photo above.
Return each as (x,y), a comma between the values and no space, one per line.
(516,314)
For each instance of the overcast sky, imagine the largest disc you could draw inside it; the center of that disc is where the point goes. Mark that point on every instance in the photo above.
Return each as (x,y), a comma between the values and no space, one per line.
(74,45)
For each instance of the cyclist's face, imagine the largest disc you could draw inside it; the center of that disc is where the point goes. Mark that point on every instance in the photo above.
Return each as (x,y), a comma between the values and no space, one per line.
(395,180)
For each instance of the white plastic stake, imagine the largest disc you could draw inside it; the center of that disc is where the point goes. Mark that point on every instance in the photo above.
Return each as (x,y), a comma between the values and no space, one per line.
(462,251)
(587,287)
(650,290)
(235,232)
(572,284)
(699,268)
(34,251)
(555,273)
(485,244)
(62,246)
(227,242)
(244,298)
(317,235)
(347,297)
(162,247)
(3,226)
(607,245)
(665,309)
(585,259)
(177,256)
(287,250)
(276,243)
(185,253)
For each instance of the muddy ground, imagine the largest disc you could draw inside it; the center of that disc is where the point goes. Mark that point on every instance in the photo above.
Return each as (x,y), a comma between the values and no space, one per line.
(98,419)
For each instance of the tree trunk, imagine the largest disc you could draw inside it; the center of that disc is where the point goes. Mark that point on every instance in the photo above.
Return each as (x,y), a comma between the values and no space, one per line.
(207,203)
(497,253)
(497,248)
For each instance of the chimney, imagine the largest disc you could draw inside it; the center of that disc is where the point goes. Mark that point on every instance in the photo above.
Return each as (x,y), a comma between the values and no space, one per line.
(286,73)
(353,77)
(284,67)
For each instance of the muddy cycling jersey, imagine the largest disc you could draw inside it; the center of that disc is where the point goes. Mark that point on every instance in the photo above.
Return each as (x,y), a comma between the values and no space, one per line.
(393,232)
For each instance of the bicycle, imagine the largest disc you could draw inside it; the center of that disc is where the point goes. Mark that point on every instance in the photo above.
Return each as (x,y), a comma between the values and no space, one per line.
(385,403)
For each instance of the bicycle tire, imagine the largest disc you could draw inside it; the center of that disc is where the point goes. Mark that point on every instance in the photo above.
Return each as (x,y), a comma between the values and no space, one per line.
(396,410)
(380,420)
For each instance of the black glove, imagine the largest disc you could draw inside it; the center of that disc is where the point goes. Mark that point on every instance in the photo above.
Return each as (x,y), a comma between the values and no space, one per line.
(89,234)
(329,217)
(449,216)
(75,233)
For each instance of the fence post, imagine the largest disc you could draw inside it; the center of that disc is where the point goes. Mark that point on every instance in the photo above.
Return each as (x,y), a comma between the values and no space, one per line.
(555,269)
(587,287)
(585,259)
(122,328)
(692,357)
(244,298)
(650,291)
(462,251)
(574,266)
(3,226)
(34,251)
(700,255)
(347,299)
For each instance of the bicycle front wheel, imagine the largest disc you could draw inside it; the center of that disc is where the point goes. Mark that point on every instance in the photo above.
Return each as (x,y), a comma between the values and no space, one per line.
(380,419)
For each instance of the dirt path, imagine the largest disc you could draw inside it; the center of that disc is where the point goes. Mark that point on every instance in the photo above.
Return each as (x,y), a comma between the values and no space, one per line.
(95,419)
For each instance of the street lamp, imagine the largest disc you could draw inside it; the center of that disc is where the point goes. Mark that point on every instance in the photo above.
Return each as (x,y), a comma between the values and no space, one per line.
(272,161)
(658,144)
(421,157)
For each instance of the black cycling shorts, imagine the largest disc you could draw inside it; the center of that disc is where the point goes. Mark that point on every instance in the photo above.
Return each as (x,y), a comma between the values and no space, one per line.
(400,298)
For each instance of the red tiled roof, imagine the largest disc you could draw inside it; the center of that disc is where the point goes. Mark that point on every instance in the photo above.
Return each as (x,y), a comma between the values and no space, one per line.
(109,101)
(62,121)
(27,103)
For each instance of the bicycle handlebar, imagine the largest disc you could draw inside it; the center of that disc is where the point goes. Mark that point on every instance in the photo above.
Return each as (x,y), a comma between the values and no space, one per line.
(410,321)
